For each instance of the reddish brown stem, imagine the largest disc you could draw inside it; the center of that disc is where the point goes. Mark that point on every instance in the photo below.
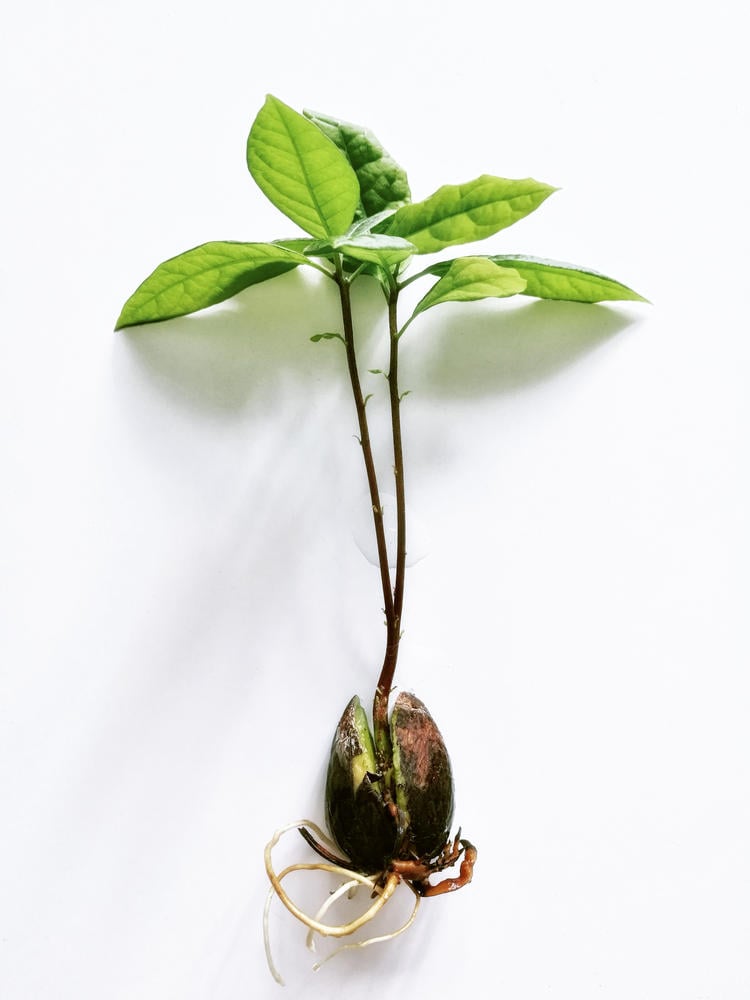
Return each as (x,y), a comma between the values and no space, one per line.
(364,440)
(393,597)
(385,681)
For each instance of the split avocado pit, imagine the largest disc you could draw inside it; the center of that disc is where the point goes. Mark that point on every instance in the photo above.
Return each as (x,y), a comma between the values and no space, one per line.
(404,814)
(391,823)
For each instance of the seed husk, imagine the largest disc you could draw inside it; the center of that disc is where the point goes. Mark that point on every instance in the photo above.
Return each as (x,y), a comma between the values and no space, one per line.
(423,777)
(356,812)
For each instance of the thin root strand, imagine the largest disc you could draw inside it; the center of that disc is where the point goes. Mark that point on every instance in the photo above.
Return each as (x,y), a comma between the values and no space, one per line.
(373,940)
(313,923)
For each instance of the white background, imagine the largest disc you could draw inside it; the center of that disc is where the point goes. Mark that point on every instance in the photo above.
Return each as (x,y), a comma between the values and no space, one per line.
(185,612)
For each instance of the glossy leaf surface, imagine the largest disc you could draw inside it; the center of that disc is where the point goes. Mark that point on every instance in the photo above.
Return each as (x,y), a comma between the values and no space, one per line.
(297,243)
(465,213)
(549,279)
(469,279)
(301,171)
(203,276)
(383,183)
(371,248)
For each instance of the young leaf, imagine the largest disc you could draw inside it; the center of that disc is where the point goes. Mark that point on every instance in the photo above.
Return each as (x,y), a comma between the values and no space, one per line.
(382,182)
(301,171)
(464,213)
(370,223)
(202,277)
(468,279)
(549,279)
(297,243)
(372,248)
(317,337)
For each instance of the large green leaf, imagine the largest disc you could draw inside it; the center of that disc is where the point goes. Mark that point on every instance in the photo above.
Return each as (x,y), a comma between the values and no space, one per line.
(382,182)
(549,279)
(468,279)
(464,213)
(301,171)
(204,276)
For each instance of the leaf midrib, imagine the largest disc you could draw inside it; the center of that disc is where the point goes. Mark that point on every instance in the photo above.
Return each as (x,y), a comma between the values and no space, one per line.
(464,212)
(301,161)
(217,267)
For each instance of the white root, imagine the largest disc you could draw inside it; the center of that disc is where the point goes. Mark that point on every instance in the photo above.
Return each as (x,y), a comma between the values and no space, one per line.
(342,890)
(373,940)
(267,938)
(314,923)
(326,930)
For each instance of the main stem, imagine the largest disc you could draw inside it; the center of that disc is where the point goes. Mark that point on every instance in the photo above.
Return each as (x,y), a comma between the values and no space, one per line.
(364,440)
(393,597)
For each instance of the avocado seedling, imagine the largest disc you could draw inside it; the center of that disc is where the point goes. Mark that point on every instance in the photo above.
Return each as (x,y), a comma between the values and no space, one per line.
(389,789)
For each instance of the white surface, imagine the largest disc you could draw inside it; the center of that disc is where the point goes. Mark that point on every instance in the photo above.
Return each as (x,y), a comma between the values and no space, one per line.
(185,612)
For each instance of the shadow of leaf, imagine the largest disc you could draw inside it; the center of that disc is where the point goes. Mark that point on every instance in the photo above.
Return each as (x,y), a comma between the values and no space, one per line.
(481,349)
(223,357)
(247,348)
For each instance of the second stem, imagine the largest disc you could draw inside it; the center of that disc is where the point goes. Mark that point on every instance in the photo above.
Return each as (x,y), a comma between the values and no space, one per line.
(393,593)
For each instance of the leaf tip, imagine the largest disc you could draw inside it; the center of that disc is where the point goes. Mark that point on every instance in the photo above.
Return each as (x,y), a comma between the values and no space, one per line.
(122,321)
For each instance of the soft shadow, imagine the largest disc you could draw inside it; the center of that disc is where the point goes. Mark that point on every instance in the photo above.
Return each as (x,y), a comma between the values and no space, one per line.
(221,357)
(504,348)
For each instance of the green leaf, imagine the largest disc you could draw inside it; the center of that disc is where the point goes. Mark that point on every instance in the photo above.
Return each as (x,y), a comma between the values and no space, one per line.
(464,213)
(202,277)
(382,182)
(297,243)
(301,171)
(370,223)
(372,248)
(468,279)
(549,279)
(376,248)
(361,245)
